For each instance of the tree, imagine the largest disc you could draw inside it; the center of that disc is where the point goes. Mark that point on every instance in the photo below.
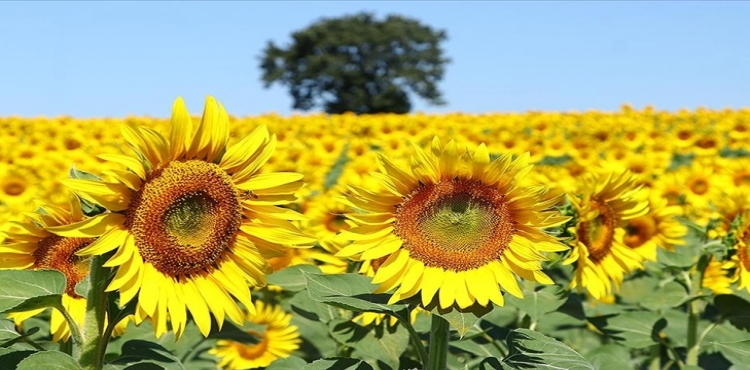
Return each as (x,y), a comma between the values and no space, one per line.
(359,64)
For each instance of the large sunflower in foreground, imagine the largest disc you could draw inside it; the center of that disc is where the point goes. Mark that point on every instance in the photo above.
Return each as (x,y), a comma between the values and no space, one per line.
(454,228)
(278,340)
(192,221)
(31,246)
(602,259)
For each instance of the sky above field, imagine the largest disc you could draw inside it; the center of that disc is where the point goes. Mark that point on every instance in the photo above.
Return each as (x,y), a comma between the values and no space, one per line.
(91,59)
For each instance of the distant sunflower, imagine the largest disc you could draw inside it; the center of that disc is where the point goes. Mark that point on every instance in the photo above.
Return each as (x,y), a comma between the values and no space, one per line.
(31,246)
(278,340)
(657,229)
(716,276)
(741,258)
(600,255)
(193,222)
(454,228)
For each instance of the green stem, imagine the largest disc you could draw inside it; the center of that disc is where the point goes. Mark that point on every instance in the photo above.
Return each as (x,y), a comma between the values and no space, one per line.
(695,308)
(75,332)
(655,358)
(413,335)
(438,353)
(91,355)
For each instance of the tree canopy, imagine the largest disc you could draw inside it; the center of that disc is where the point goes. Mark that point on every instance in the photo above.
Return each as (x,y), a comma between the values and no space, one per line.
(359,64)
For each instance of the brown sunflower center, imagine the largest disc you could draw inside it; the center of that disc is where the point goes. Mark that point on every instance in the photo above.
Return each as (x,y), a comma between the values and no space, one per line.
(14,187)
(335,222)
(743,253)
(742,178)
(698,186)
(456,225)
(640,230)
(254,351)
(58,253)
(598,233)
(185,217)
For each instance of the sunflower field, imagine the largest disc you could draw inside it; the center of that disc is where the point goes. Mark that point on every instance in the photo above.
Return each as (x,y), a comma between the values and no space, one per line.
(538,240)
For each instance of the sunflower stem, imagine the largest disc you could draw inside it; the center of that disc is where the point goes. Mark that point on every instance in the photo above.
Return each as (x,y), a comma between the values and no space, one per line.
(438,352)
(91,356)
(75,331)
(695,308)
(404,319)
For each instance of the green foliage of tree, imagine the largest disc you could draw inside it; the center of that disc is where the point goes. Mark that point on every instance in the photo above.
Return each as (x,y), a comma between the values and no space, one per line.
(359,64)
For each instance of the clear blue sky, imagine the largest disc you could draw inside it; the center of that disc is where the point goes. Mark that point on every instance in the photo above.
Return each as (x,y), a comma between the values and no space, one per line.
(113,59)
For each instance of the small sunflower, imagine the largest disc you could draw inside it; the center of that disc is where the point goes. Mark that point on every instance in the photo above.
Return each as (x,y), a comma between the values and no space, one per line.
(30,246)
(279,339)
(454,228)
(657,229)
(600,255)
(716,276)
(193,222)
(741,258)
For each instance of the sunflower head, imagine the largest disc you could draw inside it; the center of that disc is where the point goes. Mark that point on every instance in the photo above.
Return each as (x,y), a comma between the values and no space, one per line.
(608,217)
(450,223)
(193,220)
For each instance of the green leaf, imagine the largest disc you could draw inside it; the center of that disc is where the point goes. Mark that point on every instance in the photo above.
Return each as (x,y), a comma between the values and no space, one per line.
(373,342)
(7,330)
(135,352)
(230,331)
(75,173)
(292,278)
(48,360)
(490,363)
(289,363)
(305,306)
(11,357)
(537,302)
(462,320)
(338,363)
(667,296)
(736,352)
(610,356)
(528,349)
(317,342)
(635,329)
(734,309)
(349,291)
(24,290)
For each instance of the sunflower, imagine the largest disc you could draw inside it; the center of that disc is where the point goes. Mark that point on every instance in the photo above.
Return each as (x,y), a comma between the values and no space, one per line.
(193,222)
(716,276)
(279,339)
(741,257)
(454,228)
(604,208)
(657,228)
(30,246)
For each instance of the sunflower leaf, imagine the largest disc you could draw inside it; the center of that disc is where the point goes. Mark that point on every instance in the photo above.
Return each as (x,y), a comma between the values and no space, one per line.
(540,301)
(11,357)
(734,309)
(25,290)
(289,363)
(634,329)
(372,343)
(528,349)
(349,291)
(48,360)
(461,320)
(338,363)
(291,278)
(736,352)
(136,352)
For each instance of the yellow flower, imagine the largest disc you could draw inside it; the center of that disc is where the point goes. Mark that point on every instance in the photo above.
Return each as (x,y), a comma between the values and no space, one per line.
(30,246)
(657,228)
(454,228)
(278,340)
(193,222)
(599,253)
(741,257)
(716,276)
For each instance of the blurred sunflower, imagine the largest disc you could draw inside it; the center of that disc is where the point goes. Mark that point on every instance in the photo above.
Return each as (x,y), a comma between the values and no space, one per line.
(657,228)
(604,208)
(30,246)
(278,340)
(454,228)
(193,222)
(741,257)
(717,276)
